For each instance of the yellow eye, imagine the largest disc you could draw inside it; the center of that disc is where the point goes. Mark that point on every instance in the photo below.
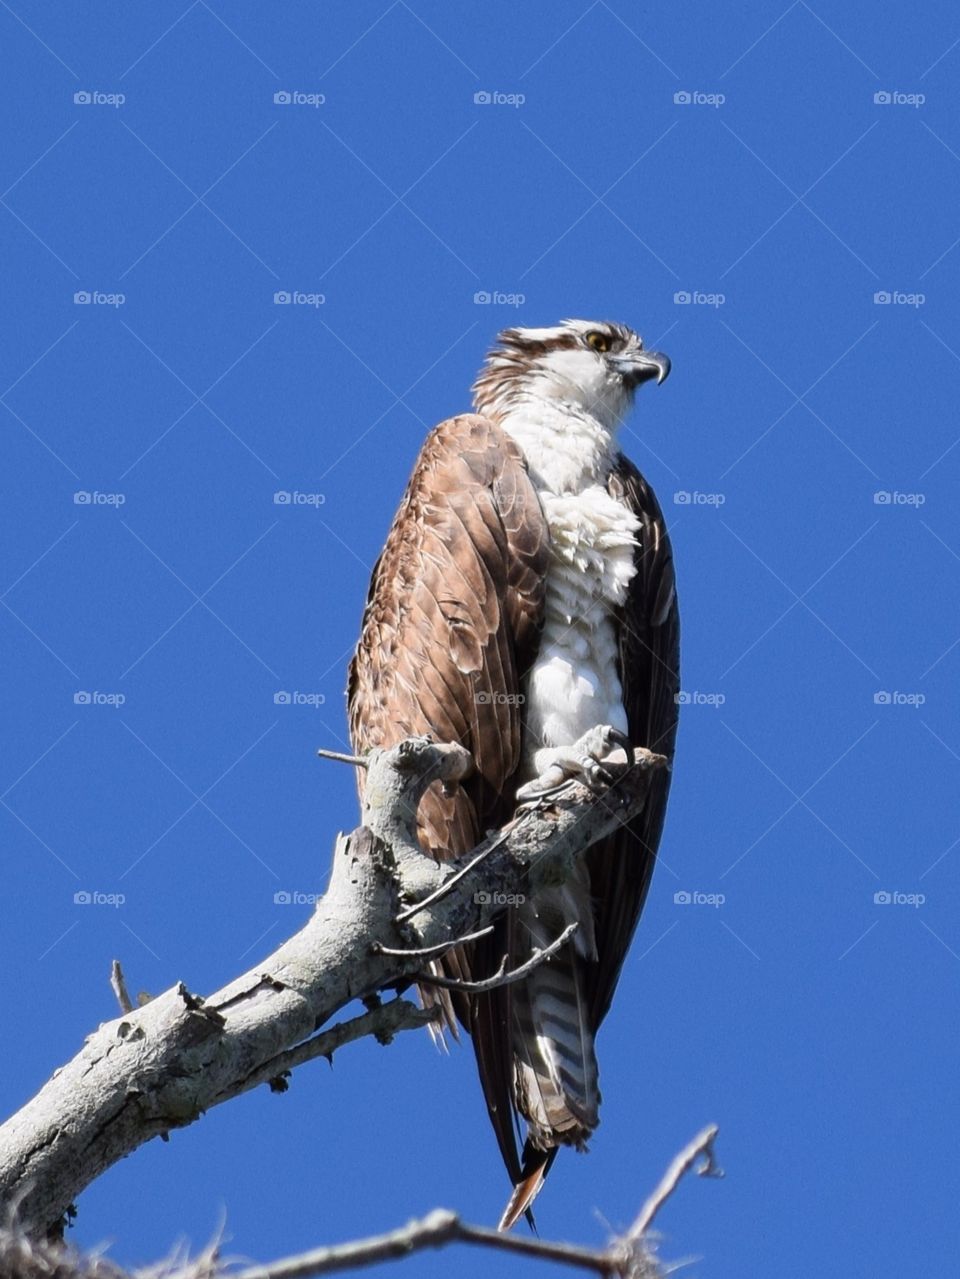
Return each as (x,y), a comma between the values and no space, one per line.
(599,341)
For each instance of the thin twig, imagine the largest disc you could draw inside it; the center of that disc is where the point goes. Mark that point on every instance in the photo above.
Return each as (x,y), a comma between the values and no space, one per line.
(119,985)
(360,761)
(702,1144)
(425,952)
(383,1021)
(454,879)
(642,758)
(501,977)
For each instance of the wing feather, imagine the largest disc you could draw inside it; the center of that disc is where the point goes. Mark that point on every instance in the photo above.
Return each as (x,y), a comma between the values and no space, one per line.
(452,622)
(649,645)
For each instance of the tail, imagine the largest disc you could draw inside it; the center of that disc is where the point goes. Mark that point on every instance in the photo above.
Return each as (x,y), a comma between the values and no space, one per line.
(536,1165)
(556,1075)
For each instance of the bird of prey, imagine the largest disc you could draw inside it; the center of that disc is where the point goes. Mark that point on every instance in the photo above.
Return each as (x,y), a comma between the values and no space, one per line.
(524,606)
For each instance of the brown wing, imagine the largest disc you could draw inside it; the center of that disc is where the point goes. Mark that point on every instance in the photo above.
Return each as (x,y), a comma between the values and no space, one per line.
(452,621)
(649,624)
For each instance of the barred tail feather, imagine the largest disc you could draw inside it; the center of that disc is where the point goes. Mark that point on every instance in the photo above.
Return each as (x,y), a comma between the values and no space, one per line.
(557,1079)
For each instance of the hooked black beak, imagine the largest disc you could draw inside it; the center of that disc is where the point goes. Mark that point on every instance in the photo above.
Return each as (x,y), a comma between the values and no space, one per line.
(644,365)
(641,366)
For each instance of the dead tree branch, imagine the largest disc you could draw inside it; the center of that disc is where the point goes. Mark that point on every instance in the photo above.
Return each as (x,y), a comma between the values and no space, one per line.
(501,977)
(160,1066)
(631,1256)
(118,984)
(700,1146)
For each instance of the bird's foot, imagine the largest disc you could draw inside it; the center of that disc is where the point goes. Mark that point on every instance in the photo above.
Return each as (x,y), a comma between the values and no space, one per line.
(596,760)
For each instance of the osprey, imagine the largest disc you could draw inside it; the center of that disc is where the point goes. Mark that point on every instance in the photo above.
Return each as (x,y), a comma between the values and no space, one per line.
(524,606)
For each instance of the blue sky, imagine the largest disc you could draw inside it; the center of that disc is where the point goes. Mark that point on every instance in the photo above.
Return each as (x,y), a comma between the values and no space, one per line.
(767,193)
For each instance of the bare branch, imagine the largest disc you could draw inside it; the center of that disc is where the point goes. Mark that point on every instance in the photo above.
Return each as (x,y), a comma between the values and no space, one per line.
(427,952)
(501,977)
(119,985)
(702,1144)
(358,761)
(382,1022)
(629,1257)
(451,882)
(439,1228)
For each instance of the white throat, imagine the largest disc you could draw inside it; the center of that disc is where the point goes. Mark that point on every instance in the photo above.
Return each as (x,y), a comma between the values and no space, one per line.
(566,447)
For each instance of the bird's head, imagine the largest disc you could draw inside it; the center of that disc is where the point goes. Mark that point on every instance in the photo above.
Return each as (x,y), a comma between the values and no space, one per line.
(593,365)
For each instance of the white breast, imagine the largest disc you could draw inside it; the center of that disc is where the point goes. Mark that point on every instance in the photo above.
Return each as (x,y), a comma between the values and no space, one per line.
(573,684)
